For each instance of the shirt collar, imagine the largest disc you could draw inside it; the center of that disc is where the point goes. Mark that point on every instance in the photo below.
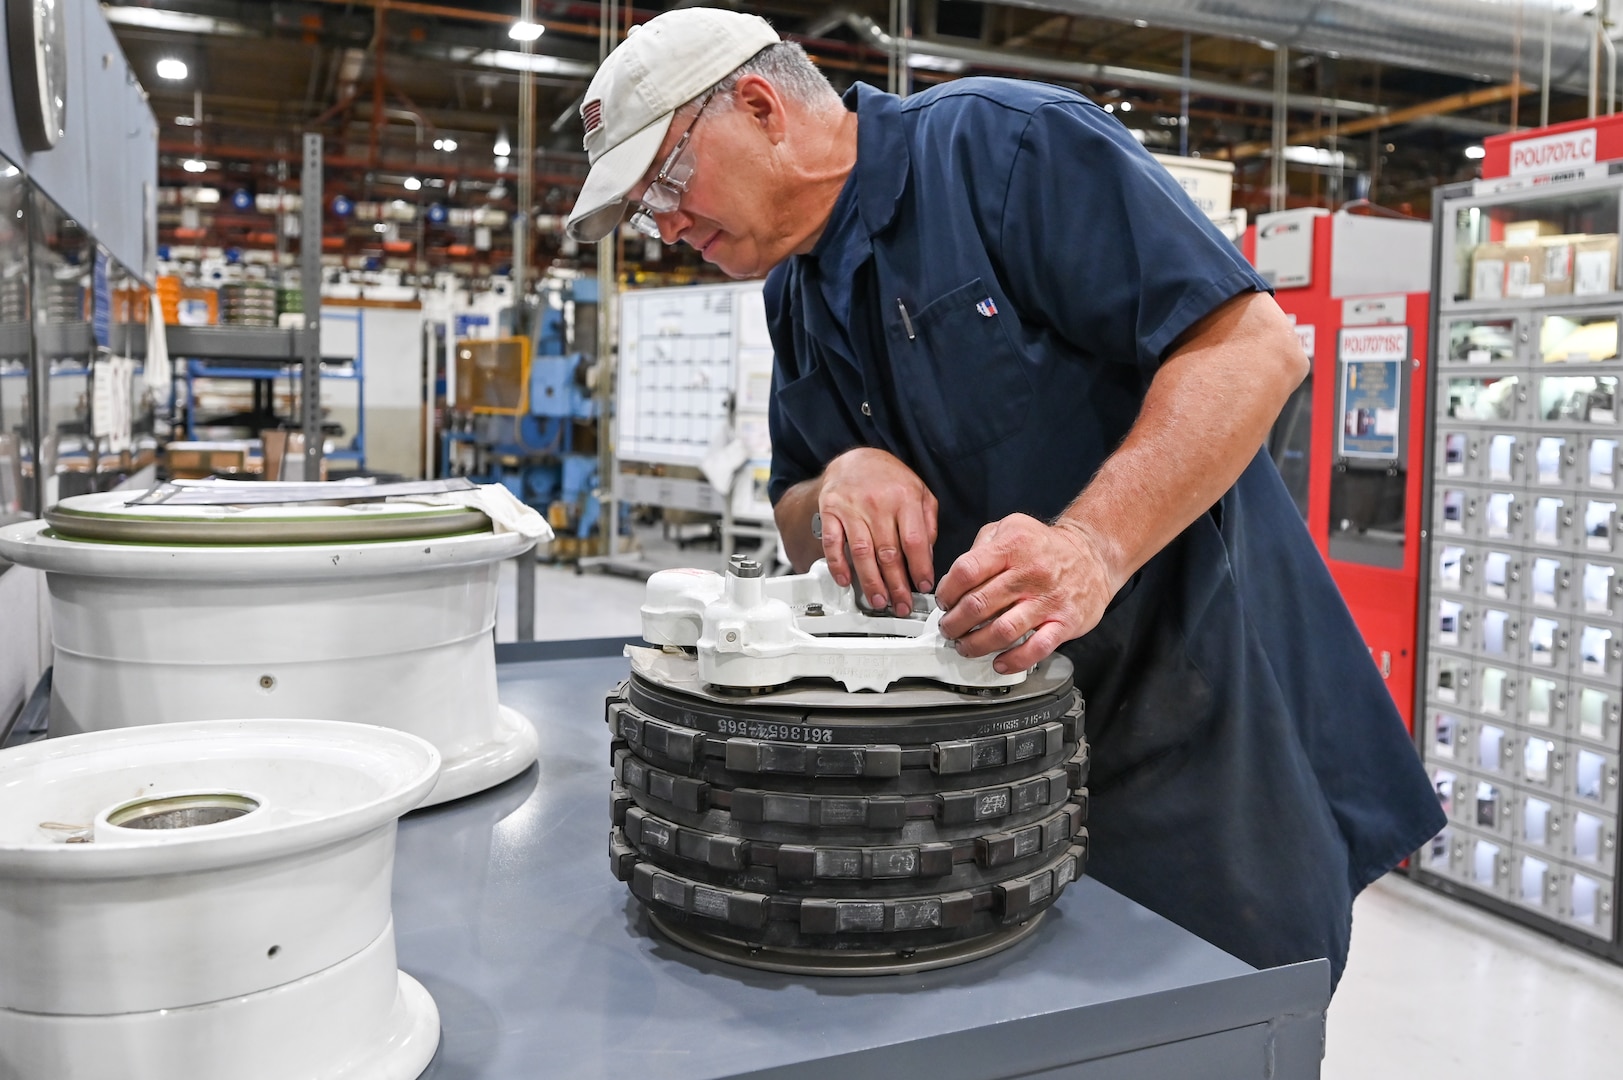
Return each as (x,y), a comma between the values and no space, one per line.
(882,158)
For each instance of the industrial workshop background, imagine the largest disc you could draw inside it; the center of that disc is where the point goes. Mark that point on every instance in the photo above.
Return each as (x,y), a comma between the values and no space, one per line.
(301,239)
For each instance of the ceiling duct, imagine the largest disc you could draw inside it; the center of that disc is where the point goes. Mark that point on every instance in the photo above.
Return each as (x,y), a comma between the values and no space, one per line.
(1461,37)
(927,52)
(924,50)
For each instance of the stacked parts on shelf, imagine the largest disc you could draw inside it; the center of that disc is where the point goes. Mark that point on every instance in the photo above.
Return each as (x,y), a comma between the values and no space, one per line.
(247,303)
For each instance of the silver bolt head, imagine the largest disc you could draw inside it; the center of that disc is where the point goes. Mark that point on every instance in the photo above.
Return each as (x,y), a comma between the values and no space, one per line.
(744,567)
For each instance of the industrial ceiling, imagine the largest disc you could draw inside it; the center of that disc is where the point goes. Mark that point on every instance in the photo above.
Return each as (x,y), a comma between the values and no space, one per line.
(1380,98)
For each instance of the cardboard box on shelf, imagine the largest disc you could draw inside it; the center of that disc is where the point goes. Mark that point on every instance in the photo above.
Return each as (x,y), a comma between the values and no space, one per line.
(274,441)
(1521,233)
(1488,272)
(1524,271)
(197,460)
(1594,264)
(1557,263)
(284,454)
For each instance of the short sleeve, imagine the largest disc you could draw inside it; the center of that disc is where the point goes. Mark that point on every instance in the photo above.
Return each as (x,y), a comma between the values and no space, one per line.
(1098,239)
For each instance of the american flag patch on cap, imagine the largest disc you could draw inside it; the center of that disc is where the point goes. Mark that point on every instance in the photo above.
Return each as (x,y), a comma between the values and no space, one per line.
(591,113)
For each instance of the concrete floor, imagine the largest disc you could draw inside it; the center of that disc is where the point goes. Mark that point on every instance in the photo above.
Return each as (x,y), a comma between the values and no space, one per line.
(1434,988)
(1437,989)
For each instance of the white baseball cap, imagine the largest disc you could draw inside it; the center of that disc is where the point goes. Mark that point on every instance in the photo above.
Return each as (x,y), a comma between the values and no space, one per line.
(663,64)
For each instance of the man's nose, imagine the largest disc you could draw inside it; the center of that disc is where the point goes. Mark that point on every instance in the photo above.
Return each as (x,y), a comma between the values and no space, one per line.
(672,225)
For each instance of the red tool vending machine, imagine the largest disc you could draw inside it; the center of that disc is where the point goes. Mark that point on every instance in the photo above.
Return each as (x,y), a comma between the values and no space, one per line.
(1357,286)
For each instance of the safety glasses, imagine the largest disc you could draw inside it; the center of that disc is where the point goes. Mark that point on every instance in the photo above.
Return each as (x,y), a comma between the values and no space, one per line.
(665,191)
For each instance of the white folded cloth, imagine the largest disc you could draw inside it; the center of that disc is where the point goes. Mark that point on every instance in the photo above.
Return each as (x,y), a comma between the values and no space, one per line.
(157,372)
(504,509)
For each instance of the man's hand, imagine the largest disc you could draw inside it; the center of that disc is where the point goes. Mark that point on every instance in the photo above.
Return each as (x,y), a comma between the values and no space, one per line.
(1207,411)
(880,510)
(1019,577)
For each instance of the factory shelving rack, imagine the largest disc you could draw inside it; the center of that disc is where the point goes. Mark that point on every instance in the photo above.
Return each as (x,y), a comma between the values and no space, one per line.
(296,350)
(264,355)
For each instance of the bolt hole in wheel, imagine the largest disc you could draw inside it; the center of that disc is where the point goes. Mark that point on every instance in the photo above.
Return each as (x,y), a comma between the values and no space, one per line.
(272,951)
(267,682)
(182,811)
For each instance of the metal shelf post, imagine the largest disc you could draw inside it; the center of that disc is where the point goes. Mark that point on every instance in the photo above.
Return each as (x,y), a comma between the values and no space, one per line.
(310,288)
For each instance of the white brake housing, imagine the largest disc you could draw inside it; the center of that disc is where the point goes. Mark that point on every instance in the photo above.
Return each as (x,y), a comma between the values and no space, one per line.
(754,631)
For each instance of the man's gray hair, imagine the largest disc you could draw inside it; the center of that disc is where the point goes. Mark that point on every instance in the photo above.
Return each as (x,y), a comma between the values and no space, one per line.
(787,67)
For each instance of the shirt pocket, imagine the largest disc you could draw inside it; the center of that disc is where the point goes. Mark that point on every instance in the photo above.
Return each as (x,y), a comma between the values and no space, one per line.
(958,373)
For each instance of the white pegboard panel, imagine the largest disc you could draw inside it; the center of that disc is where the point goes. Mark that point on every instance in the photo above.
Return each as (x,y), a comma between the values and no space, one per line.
(683,352)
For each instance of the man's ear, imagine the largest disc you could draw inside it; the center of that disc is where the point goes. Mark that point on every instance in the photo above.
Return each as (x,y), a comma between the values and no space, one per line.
(760,101)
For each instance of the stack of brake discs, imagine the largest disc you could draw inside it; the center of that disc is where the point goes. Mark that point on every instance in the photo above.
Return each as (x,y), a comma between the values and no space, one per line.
(824,832)
(247,303)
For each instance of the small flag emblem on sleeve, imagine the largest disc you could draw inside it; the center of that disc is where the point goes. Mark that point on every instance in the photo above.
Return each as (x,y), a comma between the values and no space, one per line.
(986,307)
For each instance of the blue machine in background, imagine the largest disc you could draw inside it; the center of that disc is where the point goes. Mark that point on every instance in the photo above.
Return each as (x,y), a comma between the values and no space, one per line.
(546,455)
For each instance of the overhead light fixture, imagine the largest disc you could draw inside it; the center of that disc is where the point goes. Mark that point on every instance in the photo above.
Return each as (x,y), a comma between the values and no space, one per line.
(511,60)
(413,184)
(195,165)
(445,144)
(1127,106)
(502,148)
(525,31)
(1475,153)
(171,69)
(924,62)
(380,227)
(185,121)
(1316,155)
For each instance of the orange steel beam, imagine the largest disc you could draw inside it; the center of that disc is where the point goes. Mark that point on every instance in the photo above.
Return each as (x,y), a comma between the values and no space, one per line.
(441,11)
(1390,118)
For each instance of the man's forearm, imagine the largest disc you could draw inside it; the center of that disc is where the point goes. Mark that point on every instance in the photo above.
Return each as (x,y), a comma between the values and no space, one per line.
(793,515)
(1208,410)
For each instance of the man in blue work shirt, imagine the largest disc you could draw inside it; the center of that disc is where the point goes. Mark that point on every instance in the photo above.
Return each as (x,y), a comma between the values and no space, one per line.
(1009,348)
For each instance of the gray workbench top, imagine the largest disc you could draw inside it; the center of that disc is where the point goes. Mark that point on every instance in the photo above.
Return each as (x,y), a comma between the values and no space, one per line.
(543,966)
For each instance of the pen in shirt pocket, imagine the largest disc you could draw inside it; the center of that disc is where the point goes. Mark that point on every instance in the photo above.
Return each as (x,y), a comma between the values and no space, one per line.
(907,323)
